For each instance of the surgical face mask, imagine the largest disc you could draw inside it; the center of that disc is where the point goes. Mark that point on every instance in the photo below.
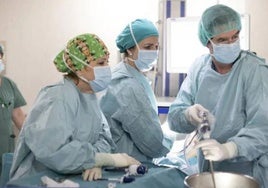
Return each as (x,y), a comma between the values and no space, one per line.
(2,66)
(102,75)
(102,79)
(226,53)
(146,58)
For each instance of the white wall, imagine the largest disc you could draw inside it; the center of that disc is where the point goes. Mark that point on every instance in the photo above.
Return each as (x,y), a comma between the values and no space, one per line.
(36,30)
(258,26)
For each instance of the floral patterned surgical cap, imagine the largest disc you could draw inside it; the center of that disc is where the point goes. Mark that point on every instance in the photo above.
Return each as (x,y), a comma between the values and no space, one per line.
(86,47)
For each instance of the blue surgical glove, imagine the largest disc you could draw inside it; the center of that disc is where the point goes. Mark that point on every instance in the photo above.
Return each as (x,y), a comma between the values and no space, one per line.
(214,151)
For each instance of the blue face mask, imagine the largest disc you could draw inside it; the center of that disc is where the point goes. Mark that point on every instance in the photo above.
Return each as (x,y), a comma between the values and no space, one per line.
(103,75)
(226,53)
(102,79)
(2,66)
(146,60)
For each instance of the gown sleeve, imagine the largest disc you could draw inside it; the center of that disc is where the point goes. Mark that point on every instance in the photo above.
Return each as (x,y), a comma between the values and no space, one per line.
(49,135)
(104,143)
(140,120)
(185,98)
(255,129)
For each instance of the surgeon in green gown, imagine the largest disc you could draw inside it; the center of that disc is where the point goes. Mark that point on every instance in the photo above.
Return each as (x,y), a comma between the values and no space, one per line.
(129,103)
(65,131)
(231,84)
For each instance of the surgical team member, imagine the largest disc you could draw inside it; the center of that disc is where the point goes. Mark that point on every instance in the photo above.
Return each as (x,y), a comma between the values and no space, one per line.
(65,131)
(232,85)
(129,104)
(11,103)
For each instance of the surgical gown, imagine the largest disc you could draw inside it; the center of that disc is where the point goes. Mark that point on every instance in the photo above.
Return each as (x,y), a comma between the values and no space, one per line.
(239,102)
(62,133)
(130,108)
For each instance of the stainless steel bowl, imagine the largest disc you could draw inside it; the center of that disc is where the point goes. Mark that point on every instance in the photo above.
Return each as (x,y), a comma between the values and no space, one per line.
(222,180)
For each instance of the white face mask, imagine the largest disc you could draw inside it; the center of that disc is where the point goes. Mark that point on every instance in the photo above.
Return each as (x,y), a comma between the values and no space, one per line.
(103,75)
(2,66)
(226,53)
(146,58)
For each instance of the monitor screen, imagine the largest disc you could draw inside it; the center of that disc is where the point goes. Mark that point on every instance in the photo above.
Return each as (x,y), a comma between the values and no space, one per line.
(183,45)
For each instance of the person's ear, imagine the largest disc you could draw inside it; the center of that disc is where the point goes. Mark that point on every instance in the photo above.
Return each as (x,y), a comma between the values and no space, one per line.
(208,44)
(210,47)
(129,52)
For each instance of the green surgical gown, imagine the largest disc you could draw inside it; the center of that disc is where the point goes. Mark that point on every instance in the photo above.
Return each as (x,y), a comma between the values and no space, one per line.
(62,132)
(239,102)
(130,108)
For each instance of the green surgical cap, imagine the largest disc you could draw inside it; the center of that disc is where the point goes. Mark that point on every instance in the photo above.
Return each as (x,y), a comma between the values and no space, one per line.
(142,28)
(85,47)
(216,20)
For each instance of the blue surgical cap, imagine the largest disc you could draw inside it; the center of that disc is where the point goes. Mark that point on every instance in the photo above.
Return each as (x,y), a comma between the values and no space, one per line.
(142,28)
(216,20)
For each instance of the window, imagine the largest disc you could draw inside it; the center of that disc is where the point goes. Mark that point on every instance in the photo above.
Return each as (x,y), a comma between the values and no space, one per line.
(183,45)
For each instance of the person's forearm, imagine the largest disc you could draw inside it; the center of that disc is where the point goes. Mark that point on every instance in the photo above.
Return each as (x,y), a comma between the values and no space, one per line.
(18,117)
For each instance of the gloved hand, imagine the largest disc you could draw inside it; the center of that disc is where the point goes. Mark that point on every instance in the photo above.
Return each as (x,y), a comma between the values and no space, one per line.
(116,160)
(192,114)
(48,182)
(92,174)
(215,151)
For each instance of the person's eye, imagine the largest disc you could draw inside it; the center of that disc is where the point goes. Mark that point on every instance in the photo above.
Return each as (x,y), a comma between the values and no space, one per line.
(103,62)
(147,47)
(235,37)
(221,41)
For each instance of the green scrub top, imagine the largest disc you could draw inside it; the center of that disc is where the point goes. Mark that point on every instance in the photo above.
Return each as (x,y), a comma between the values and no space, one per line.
(10,98)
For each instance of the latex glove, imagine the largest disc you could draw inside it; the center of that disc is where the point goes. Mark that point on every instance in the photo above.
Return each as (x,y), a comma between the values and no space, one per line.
(92,174)
(214,151)
(192,114)
(116,160)
(52,183)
